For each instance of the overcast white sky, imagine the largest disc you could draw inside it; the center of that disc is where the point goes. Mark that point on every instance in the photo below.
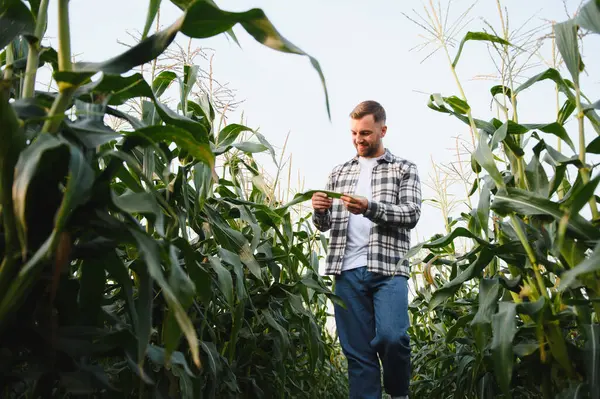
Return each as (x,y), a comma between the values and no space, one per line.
(363,48)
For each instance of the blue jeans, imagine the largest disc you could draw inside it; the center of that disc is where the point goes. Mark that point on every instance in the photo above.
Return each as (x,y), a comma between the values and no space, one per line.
(374,323)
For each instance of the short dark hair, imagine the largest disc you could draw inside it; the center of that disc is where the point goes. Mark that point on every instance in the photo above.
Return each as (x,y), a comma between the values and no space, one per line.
(369,108)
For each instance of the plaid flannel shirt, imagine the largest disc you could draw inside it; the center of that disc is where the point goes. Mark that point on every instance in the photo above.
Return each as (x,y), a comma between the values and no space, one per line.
(394,210)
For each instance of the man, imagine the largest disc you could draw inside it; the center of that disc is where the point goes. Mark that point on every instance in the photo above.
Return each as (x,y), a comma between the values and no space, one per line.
(369,236)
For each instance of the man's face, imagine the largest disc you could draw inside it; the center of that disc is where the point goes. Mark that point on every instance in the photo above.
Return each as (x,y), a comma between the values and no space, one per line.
(367,135)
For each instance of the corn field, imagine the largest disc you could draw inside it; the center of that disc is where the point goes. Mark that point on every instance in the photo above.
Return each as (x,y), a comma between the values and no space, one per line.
(132,265)
(506,302)
(151,257)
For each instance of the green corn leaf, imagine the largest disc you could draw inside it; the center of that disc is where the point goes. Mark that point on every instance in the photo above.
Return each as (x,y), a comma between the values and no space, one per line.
(118,89)
(573,252)
(226,236)
(143,309)
(153,8)
(558,346)
(204,19)
(230,133)
(449,238)
(159,356)
(499,89)
(591,352)
(195,140)
(213,358)
(564,86)
(238,322)
(553,128)
(479,36)
(143,203)
(190,78)
(437,104)
(32,160)
(484,156)
(512,285)
(182,137)
(134,122)
(206,106)
(559,175)
(594,146)
(15,20)
(162,82)
(566,41)
(314,344)
(226,140)
(537,178)
(591,264)
(249,260)
(249,147)
(35,6)
(555,158)
(196,111)
(456,327)
(499,136)
(439,296)
(201,278)
(526,349)
(78,189)
(119,273)
(532,308)
(184,291)
(529,204)
(266,143)
(589,17)
(283,334)
(307,195)
(582,196)
(203,182)
(224,279)
(185,4)
(458,105)
(151,254)
(565,111)
(513,146)
(145,51)
(483,209)
(31,176)
(489,291)
(486,386)
(504,327)
(234,260)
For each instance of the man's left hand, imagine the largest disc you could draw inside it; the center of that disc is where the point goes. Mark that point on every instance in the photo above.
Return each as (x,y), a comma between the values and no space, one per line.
(356,205)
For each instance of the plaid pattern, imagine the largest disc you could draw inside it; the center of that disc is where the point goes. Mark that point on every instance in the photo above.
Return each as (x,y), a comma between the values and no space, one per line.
(394,210)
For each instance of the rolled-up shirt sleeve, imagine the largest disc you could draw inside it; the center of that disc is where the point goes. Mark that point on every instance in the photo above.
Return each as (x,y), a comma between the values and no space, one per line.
(407,212)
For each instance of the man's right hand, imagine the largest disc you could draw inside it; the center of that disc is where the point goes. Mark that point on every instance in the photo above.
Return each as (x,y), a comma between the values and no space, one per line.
(321,202)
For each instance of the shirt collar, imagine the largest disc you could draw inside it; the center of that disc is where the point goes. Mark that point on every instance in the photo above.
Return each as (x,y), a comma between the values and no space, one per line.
(387,157)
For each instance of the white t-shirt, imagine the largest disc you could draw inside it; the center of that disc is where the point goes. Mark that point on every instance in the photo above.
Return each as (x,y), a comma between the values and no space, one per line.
(359,227)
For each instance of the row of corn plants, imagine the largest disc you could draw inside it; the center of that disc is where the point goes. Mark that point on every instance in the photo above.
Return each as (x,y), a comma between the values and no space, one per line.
(516,311)
(131,265)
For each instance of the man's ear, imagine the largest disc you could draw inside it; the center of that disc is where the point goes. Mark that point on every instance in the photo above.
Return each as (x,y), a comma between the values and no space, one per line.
(383,130)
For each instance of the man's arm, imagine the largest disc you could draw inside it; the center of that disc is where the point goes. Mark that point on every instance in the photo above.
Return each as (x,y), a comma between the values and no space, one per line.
(407,213)
(322,218)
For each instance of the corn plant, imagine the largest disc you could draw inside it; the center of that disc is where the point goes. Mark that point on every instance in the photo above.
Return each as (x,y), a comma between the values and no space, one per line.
(517,314)
(130,267)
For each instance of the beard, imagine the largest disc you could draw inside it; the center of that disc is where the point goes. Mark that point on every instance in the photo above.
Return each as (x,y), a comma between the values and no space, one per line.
(367,151)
